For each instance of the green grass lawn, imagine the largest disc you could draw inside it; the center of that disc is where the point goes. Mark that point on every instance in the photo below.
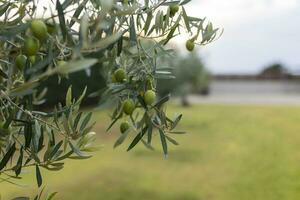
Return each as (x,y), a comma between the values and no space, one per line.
(229,153)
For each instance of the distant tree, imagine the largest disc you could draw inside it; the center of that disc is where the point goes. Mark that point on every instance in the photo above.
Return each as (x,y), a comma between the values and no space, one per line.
(275,70)
(190,76)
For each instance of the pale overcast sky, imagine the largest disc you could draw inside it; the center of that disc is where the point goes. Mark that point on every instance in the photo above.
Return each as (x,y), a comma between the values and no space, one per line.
(257,33)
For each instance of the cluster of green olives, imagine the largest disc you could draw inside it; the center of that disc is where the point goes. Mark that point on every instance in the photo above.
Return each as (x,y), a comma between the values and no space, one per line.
(149,96)
(129,107)
(31,46)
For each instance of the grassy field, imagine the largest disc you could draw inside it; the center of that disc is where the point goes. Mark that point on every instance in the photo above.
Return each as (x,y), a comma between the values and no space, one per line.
(230,153)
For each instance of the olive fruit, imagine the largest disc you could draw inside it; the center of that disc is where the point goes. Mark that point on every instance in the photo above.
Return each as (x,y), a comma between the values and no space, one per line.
(31,46)
(149,97)
(190,45)
(120,75)
(173,9)
(21,61)
(39,29)
(124,127)
(128,106)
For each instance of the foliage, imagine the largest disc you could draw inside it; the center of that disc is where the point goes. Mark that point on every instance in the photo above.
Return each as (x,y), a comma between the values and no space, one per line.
(191,76)
(80,35)
(94,81)
(274,70)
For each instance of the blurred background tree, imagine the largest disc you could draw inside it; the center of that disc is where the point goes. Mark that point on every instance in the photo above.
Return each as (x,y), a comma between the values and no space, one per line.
(191,77)
(275,70)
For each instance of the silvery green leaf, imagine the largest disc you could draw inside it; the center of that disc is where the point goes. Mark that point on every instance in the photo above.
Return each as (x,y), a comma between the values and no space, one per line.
(75,65)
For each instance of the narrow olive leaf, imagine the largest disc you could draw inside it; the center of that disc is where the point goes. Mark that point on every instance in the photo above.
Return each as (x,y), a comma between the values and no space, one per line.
(66,4)
(18,166)
(170,3)
(27,134)
(77,151)
(38,176)
(4,7)
(177,132)
(103,43)
(150,131)
(86,120)
(54,150)
(61,17)
(172,31)
(77,12)
(114,121)
(9,154)
(51,196)
(120,46)
(36,135)
(84,31)
(164,75)
(148,22)
(69,96)
(41,140)
(132,31)
(185,2)
(39,196)
(81,96)
(121,139)
(137,138)
(75,65)
(162,101)
(186,20)
(163,142)
(76,121)
(176,121)
(172,140)
(23,89)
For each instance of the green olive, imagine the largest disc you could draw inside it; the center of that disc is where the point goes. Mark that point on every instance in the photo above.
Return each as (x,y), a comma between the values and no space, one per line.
(149,97)
(31,46)
(39,29)
(21,61)
(128,106)
(120,75)
(174,9)
(190,45)
(124,127)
